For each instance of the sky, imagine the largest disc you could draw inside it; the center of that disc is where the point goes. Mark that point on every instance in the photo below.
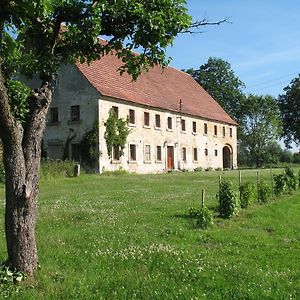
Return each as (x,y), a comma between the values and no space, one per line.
(261,42)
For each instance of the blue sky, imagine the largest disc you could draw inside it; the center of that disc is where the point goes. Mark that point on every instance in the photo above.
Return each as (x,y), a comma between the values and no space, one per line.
(262,42)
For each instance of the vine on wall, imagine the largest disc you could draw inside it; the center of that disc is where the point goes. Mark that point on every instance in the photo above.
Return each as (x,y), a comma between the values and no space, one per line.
(116,133)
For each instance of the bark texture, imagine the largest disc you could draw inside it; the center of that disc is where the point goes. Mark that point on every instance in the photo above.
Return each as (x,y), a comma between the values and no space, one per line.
(22,154)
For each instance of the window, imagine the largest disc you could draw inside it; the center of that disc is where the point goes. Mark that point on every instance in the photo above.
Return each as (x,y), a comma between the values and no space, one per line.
(195,154)
(205,128)
(182,125)
(206,152)
(169,123)
(194,127)
(116,153)
(158,153)
(216,152)
(224,131)
(215,130)
(75,113)
(131,116)
(132,154)
(53,115)
(76,152)
(184,154)
(230,132)
(147,153)
(115,109)
(146,119)
(157,121)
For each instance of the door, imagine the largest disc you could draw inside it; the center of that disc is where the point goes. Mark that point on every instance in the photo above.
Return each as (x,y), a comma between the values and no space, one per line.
(170,157)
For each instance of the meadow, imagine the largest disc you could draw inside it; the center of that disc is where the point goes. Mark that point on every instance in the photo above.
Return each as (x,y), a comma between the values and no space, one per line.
(130,237)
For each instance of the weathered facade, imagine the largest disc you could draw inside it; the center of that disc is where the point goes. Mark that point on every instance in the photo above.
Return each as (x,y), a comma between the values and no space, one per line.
(174,123)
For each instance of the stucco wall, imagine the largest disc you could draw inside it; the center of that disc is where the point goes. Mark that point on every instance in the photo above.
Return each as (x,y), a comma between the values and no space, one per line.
(150,135)
(71,89)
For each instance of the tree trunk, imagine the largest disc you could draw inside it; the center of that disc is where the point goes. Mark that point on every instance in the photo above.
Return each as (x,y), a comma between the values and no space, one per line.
(22,154)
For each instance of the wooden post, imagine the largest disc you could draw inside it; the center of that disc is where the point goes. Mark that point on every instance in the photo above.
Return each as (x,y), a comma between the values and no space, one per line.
(76,170)
(203,198)
(257,180)
(271,179)
(240,183)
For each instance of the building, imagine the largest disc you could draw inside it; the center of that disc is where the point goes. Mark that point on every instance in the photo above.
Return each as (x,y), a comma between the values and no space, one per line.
(174,123)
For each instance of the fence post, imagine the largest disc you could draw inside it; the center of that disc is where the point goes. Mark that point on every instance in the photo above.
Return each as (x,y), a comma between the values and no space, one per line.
(257,180)
(271,178)
(240,183)
(203,198)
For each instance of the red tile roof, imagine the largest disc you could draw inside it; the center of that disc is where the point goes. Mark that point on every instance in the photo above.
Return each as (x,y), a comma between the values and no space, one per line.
(160,88)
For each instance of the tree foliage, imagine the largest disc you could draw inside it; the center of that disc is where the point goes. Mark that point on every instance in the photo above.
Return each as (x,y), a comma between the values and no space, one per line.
(289,104)
(220,81)
(260,126)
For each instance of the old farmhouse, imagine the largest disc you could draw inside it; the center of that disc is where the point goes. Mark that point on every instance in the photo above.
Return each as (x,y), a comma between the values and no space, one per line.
(174,123)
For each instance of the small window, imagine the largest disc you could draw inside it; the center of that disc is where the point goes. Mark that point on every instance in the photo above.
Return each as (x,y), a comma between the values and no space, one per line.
(205,128)
(116,153)
(146,119)
(195,154)
(216,152)
(147,153)
(224,131)
(194,127)
(75,113)
(76,152)
(131,116)
(158,153)
(169,123)
(215,130)
(206,152)
(230,132)
(184,154)
(157,121)
(53,115)
(115,110)
(132,154)
(182,125)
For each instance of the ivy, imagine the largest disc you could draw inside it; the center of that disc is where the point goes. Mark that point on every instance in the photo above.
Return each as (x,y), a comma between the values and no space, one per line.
(116,133)
(89,145)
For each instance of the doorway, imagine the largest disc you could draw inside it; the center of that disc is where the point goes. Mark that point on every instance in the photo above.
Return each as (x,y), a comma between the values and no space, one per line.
(170,157)
(227,158)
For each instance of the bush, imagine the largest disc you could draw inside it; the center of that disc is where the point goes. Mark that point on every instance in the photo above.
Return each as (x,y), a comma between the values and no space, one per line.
(57,168)
(198,169)
(291,179)
(203,216)
(247,194)
(264,192)
(228,200)
(280,184)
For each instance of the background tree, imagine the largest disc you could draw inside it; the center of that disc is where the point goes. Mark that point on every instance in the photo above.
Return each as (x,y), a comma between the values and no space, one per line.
(219,80)
(289,104)
(50,33)
(260,126)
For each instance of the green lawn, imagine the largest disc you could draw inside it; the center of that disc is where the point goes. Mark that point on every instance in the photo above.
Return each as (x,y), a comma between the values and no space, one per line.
(129,237)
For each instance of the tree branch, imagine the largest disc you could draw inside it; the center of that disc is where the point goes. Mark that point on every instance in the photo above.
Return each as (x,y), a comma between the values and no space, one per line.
(193,28)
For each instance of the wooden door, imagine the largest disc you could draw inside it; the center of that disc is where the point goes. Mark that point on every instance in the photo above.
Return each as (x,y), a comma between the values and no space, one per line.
(170,157)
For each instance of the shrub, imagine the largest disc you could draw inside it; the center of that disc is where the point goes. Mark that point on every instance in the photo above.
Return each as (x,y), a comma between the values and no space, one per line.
(57,168)
(291,179)
(203,216)
(228,200)
(209,169)
(264,192)
(198,169)
(247,194)
(280,184)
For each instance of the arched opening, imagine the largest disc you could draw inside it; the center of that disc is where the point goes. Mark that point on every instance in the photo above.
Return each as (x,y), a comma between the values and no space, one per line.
(227,157)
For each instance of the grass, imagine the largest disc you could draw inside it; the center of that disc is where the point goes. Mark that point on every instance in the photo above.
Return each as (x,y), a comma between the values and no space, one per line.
(129,237)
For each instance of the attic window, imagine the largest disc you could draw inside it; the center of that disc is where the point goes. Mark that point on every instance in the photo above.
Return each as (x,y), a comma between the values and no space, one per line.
(182,124)
(75,113)
(194,127)
(115,109)
(230,132)
(146,119)
(224,131)
(215,130)
(205,128)
(157,121)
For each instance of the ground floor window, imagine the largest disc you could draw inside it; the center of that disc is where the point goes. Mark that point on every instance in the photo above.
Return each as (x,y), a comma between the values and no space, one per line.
(184,154)
(132,152)
(116,153)
(147,153)
(195,154)
(158,153)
